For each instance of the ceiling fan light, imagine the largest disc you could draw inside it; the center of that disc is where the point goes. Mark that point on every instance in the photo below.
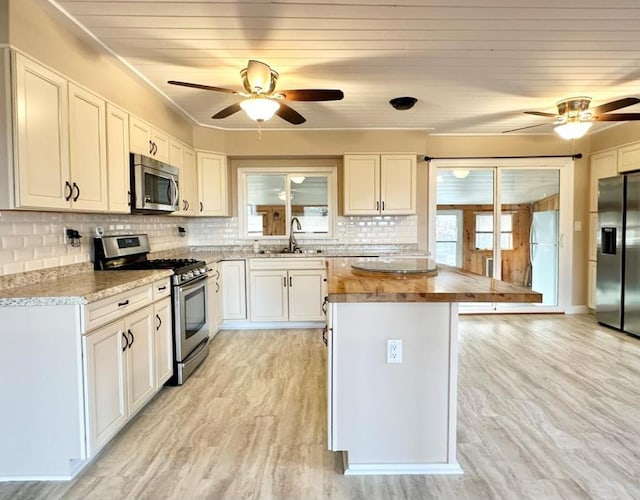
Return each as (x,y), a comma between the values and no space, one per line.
(259,109)
(573,130)
(297,179)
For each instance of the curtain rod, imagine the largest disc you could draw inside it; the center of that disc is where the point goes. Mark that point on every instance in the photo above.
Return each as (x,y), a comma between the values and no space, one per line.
(576,156)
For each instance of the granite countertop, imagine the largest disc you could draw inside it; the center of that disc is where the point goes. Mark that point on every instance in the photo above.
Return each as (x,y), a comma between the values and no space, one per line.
(346,284)
(80,288)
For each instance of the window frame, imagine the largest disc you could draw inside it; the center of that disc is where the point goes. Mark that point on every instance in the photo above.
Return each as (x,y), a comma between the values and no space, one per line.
(290,169)
(458,242)
(491,214)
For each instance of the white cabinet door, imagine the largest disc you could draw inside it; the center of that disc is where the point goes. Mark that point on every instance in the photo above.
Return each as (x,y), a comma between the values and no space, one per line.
(603,165)
(140,358)
(42,137)
(214,300)
(163,341)
(591,285)
(87,150)
(118,159)
(234,300)
(307,290)
(269,295)
(398,184)
(212,184)
(361,184)
(160,145)
(139,136)
(188,184)
(629,158)
(176,152)
(106,390)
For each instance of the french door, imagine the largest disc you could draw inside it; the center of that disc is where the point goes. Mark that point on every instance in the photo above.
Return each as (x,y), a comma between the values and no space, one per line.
(509,219)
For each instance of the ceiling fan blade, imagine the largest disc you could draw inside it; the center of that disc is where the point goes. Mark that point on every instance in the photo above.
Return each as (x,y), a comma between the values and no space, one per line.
(289,114)
(613,105)
(540,113)
(617,117)
(202,87)
(228,111)
(523,128)
(312,95)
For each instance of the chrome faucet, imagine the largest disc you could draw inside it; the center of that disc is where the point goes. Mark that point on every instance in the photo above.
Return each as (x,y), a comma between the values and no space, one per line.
(293,244)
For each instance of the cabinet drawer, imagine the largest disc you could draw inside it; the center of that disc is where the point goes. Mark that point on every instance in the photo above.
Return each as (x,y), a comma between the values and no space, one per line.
(161,289)
(103,311)
(287,263)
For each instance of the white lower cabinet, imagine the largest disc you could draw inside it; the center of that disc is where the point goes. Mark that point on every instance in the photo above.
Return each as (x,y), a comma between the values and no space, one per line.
(119,372)
(287,289)
(214,299)
(163,341)
(234,289)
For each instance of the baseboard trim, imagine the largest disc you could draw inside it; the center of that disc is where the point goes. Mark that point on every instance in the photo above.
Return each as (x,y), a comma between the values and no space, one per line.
(269,325)
(399,469)
(577,310)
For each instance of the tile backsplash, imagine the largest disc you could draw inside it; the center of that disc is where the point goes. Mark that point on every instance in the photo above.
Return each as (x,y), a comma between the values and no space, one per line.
(35,240)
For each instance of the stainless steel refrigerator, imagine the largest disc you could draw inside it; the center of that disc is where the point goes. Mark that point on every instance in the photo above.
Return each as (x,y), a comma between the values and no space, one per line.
(618,271)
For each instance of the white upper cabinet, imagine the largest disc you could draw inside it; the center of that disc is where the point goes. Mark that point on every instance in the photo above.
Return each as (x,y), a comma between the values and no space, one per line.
(176,152)
(118,159)
(42,156)
(603,165)
(629,158)
(212,184)
(148,141)
(379,184)
(87,150)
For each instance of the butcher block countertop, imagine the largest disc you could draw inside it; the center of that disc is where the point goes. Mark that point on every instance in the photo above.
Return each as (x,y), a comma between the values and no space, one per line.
(80,288)
(346,284)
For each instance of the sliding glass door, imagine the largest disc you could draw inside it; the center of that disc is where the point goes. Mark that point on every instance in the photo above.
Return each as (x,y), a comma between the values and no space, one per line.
(506,222)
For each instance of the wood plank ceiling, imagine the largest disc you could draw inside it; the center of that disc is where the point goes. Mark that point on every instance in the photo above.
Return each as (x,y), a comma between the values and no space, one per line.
(474,65)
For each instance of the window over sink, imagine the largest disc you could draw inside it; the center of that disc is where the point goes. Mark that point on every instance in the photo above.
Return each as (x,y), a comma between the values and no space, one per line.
(270,196)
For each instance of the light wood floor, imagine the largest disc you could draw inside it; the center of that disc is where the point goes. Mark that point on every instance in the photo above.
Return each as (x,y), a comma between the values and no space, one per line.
(549,407)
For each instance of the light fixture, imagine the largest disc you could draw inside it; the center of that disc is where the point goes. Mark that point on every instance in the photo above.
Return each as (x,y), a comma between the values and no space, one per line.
(460,174)
(297,179)
(573,129)
(259,108)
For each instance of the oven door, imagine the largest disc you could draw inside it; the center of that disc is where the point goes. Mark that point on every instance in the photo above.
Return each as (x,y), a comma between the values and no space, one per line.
(190,316)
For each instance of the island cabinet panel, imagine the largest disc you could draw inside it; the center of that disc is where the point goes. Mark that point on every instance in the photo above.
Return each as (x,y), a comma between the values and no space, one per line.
(385,415)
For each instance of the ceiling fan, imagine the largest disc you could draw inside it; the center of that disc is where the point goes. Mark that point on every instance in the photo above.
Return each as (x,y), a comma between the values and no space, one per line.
(262,101)
(574,118)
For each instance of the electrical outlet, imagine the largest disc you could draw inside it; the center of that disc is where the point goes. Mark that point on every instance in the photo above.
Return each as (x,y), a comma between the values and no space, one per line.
(394,351)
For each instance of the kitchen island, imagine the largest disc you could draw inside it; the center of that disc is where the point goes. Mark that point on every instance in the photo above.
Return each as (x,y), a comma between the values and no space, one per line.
(392,405)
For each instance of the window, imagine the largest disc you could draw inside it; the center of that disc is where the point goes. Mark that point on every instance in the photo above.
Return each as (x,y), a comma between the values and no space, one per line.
(449,237)
(269,197)
(484,231)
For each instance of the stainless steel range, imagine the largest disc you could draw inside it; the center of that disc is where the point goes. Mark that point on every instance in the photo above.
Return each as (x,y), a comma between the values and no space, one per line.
(188,295)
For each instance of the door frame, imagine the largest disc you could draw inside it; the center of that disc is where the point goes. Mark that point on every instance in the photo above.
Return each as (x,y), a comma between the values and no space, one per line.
(565,166)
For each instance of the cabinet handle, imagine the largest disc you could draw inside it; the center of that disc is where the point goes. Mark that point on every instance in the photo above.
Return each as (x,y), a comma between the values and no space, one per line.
(162,288)
(201,206)
(150,147)
(159,322)
(290,281)
(217,273)
(132,337)
(377,205)
(129,198)
(126,342)
(217,287)
(124,303)
(155,148)
(188,205)
(324,305)
(284,281)
(77,188)
(325,331)
(383,206)
(68,185)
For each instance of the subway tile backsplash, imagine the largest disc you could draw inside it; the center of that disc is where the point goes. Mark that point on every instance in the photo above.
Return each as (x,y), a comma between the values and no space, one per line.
(31,241)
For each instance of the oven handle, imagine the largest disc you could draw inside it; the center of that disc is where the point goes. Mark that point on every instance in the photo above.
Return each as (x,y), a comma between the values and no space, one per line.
(198,282)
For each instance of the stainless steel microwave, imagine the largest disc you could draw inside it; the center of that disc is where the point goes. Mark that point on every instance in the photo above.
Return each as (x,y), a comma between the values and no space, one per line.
(154,185)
